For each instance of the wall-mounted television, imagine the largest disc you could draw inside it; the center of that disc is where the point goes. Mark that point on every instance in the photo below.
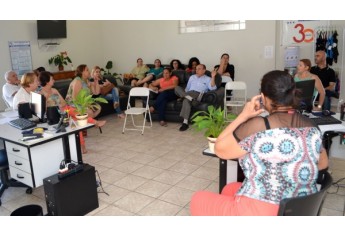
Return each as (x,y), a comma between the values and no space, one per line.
(51,29)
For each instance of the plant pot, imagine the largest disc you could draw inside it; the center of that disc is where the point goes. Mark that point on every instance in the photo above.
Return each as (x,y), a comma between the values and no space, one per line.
(81,120)
(60,68)
(211,142)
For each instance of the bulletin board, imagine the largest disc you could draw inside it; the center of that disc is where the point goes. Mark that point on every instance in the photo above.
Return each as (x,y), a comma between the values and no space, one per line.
(20,52)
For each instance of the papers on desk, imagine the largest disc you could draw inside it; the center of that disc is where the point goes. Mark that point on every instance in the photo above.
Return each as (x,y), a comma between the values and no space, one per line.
(336,127)
(7,116)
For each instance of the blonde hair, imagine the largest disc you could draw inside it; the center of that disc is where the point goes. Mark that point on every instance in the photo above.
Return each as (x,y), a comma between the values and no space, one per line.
(94,70)
(27,79)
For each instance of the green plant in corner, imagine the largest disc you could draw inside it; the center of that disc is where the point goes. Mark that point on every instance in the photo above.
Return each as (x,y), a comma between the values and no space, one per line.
(212,121)
(108,67)
(84,101)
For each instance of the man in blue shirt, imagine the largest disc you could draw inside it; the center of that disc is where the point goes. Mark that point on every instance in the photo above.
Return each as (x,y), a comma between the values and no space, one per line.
(197,85)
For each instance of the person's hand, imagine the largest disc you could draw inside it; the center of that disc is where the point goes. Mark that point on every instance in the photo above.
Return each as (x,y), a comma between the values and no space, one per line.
(226,74)
(213,73)
(252,108)
(106,83)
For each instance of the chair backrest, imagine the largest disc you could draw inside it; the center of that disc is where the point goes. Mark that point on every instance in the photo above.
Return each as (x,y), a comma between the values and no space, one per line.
(309,205)
(236,85)
(5,101)
(226,79)
(139,92)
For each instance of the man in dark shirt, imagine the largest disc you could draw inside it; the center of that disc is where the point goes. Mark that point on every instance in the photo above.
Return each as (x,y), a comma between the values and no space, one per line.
(326,75)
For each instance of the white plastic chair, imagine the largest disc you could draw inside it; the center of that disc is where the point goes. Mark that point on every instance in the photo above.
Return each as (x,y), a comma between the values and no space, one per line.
(226,79)
(9,108)
(238,96)
(137,92)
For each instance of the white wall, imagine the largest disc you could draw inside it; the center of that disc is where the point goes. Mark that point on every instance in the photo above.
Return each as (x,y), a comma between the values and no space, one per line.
(96,42)
(83,44)
(127,40)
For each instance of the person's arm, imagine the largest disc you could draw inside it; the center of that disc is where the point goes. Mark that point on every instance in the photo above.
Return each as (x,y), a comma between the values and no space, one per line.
(156,82)
(323,160)
(226,146)
(62,100)
(77,86)
(331,86)
(175,83)
(212,84)
(320,89)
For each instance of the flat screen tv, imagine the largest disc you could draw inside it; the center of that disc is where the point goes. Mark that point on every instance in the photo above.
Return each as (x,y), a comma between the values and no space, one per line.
(51,29)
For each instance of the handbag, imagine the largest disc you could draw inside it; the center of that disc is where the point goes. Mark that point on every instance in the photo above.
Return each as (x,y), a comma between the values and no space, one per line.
(106,89)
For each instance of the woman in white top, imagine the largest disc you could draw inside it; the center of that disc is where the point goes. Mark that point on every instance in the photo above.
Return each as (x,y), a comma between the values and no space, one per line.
(29,83)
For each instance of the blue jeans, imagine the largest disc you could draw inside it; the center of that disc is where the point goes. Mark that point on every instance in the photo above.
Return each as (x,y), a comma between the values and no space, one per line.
(327,102)
(161,101)
(114,97)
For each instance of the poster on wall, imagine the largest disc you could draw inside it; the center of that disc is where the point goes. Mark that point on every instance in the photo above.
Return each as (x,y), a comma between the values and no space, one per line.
(298,32)
(20,52)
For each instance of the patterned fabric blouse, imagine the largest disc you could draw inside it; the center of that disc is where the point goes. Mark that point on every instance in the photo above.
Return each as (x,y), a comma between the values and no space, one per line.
(276,165)
(70,90)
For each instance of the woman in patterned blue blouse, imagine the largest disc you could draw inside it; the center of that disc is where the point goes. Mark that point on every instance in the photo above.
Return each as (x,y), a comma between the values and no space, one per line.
(280,154)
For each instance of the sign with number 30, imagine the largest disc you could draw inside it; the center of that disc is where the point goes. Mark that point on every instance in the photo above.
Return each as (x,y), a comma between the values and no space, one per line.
(299,32)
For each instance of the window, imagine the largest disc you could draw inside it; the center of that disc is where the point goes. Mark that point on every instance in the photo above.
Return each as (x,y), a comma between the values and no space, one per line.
(196,26)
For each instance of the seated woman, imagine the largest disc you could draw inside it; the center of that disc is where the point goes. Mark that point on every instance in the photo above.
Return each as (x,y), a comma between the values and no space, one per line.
(96,86)
(193,62)
(225,68)
(137,72)
(280,154)
(176,64)
(151,75)
(166,92)
(303,73)
(29,83)
(54,98)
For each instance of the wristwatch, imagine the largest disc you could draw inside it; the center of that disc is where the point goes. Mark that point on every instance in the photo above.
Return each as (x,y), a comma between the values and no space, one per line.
(319,106)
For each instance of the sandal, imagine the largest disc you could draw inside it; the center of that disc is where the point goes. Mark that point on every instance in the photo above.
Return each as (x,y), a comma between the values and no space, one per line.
(121,116)
(116,105)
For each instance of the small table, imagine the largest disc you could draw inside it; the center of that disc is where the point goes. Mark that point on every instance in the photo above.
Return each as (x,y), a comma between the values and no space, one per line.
(229,170)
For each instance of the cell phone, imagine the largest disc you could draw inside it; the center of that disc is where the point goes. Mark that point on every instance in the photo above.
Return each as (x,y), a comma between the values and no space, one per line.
(261,103)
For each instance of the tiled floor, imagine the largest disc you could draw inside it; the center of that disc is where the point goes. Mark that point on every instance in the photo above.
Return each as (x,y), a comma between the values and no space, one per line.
(153,174)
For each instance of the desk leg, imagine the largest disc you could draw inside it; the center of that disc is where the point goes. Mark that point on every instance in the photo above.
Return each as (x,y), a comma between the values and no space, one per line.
(79,154)
(66,149)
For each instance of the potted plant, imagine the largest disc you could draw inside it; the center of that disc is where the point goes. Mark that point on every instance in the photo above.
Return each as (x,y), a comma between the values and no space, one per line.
(84,101)
(60,60)
(211,122)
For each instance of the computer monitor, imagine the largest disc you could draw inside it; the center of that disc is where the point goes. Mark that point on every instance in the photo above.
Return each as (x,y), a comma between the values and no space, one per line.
(38,105)
(307,88)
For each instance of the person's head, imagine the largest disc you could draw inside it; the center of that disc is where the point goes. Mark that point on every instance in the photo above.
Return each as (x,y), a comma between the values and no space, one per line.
(29,81)
(320,57)
(140,62)
(278,90)
(225,57)
(46,78)
(176,65)
(11,77)
(82,71)
(158,63)
(303,65)
(166,72)
(193,62)
(40,69)
(200,70)
(96,72)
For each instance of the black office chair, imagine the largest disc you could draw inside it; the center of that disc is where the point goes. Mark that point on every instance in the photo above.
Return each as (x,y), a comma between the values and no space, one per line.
(5,181)
(309,205)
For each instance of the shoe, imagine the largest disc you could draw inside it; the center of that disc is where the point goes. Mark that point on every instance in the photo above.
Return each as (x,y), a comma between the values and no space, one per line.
(121,116)
(184,127)
(163,123)
(195,103)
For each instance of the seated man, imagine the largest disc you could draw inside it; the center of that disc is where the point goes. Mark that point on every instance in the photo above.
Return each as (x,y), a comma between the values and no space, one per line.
(11,87)
(196,86)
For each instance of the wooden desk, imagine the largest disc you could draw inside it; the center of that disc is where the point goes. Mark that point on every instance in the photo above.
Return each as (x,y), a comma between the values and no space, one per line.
(61,75)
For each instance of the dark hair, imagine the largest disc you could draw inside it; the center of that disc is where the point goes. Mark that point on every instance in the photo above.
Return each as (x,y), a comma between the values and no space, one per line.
(139,59)
(40,69)
(225,54)
(179,67)
(80,69)
(193,59)
(279,86)
(168,69)
(159,62)
(44,77)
